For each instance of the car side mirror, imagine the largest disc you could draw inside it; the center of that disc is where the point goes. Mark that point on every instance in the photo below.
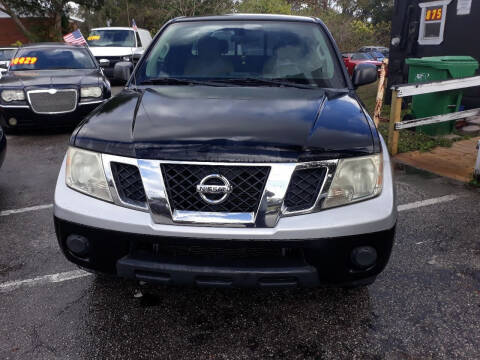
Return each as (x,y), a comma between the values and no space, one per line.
(364,74)
(4,66)
(122,71)
(104,62)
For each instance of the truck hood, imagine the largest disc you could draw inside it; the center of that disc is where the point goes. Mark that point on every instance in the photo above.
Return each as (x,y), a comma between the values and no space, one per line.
(99,51)
(245,124)
(47,78)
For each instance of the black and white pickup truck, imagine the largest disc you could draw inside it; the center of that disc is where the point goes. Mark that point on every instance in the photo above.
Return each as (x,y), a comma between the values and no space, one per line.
(237,155)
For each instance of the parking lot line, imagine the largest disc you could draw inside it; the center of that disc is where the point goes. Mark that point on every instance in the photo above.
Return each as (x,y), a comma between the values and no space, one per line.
(428,202)
(76,274)
(53,278)
(26,209)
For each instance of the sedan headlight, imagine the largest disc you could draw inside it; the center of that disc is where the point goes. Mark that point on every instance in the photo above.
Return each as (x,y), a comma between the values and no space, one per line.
(355,179)
(84,173)
(91,92)
(13,95)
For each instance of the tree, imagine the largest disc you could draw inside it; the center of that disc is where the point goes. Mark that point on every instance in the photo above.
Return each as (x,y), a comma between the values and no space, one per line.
(55,11)
(150,14)
(264,7)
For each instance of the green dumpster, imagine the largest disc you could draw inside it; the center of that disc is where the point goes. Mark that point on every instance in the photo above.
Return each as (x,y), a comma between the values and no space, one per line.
(438,68)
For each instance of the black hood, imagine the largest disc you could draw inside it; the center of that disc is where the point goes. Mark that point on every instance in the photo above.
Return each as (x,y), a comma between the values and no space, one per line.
(255,124)
(52,78)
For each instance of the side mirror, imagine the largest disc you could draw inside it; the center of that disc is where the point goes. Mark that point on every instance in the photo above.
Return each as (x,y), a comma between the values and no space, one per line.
(104,62)
(122,71)
(3,66)
(364,74)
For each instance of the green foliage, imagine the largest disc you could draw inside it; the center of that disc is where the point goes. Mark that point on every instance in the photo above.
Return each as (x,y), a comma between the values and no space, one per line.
(264,7)
(17,43)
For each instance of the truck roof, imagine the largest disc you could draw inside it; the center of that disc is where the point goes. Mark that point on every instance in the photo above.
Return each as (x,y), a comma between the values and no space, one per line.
(242,17)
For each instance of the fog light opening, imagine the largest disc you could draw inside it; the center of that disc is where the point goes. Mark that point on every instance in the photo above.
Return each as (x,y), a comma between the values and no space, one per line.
(364,257)
(78,245)
(12,121)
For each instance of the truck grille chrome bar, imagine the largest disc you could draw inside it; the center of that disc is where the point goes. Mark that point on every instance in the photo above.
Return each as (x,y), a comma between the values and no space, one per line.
(273,190)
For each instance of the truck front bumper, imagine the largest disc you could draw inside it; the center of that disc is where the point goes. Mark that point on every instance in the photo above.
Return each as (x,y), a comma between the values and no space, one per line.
(227,262)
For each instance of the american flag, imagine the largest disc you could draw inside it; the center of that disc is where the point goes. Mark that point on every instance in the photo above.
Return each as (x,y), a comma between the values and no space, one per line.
(134,25)
(75,38)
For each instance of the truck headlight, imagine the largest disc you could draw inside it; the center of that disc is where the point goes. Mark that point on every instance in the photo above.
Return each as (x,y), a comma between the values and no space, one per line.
(355,179)
(13,95)
(84,173)
(91,92)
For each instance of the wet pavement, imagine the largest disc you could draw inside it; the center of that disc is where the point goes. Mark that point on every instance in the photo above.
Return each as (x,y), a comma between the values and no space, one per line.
(425,305)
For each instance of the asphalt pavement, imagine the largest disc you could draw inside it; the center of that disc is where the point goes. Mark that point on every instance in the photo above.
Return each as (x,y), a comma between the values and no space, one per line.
(425,305)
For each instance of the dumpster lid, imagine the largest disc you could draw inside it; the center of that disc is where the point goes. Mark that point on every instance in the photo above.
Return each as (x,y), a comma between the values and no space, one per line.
(443,62)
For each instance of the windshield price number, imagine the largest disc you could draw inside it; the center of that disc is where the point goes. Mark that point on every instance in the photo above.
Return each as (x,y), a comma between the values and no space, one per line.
(93,37)
(433,14)
(24,61)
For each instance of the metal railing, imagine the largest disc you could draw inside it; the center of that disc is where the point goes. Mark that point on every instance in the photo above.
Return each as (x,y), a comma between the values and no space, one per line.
(401,91)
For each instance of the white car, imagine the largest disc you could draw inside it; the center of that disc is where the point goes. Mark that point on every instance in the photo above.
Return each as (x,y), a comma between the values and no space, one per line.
(111,45)
(6,55)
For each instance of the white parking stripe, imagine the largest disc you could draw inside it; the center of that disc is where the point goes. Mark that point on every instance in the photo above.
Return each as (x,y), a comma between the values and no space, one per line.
(54,278)
(428,202)
(76,274)
(26,209)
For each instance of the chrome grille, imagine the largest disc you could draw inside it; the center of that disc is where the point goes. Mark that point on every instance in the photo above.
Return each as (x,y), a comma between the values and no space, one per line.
(49,102)
(247,184)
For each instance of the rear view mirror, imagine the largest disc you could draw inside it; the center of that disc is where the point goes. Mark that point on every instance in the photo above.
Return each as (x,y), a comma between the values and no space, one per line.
(122,71)
(364,74)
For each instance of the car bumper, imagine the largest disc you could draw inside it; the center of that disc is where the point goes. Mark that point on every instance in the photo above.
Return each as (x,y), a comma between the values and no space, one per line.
(26,118)
(209,262)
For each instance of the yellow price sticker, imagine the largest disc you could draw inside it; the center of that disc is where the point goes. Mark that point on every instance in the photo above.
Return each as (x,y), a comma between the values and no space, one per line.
(24,60)
(434,14)
(94,37)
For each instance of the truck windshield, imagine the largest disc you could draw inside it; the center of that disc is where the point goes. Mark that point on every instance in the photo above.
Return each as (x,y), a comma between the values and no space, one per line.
(52,58)
(112,38)
(233,51)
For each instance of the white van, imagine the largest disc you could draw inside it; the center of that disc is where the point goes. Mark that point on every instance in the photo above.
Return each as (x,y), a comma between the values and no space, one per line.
(111,45)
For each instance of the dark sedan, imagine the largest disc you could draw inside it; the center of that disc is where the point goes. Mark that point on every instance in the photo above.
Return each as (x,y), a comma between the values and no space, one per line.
(51,85)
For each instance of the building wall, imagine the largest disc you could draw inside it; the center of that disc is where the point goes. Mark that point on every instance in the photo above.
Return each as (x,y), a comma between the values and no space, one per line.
(10,33)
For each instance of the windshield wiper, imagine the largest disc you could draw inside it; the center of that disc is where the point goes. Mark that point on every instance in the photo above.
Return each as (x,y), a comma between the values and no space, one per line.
(178,81)
(263,81)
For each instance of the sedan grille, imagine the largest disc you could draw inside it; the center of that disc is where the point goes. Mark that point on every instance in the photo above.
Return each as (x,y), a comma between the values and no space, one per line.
(47,102)
(303,189)
(129,183)
(247,184)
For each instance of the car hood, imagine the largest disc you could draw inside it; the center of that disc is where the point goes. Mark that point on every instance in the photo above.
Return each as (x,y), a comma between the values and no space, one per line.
(245,124)
(107,51)
(48,78)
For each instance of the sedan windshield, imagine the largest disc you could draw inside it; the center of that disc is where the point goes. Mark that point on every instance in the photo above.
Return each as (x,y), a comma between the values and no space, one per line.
(52,58)
(6,54)
(244,53)
(112,38)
